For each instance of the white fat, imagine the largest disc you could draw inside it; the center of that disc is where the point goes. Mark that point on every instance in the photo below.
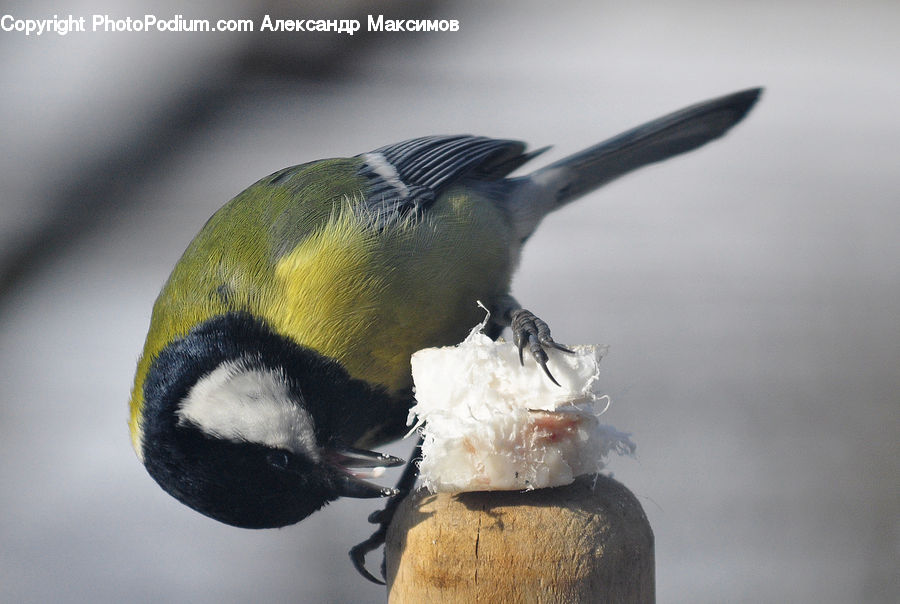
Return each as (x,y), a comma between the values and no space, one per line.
(492,424)
(242,403)
(383,168)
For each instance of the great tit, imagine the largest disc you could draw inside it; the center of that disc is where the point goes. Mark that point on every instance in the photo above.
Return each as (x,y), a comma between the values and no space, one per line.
(279,349)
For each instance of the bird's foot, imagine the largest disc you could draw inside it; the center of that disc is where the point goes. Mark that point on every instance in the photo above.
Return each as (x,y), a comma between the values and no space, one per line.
(358,552)
(384,517)
(528,330)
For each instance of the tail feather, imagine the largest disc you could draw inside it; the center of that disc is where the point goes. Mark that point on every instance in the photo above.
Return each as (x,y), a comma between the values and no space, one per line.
(569,178)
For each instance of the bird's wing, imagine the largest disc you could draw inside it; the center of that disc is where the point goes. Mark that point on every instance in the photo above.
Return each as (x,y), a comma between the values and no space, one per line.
(387,184)
(410,175)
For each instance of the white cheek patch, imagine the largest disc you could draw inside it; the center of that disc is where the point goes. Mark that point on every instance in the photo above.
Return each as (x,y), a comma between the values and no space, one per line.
(242,403)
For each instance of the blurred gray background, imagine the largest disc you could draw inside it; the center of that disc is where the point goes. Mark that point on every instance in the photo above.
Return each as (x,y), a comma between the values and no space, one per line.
(749,292)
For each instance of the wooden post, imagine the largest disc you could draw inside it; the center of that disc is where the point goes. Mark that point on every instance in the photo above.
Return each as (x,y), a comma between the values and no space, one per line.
(585,542)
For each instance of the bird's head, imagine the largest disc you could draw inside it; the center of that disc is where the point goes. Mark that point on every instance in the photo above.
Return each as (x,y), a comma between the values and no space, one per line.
(252,429)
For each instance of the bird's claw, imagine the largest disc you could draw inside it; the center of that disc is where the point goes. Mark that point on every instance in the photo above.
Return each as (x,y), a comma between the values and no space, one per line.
(527,329)
(358,554)
(384,517)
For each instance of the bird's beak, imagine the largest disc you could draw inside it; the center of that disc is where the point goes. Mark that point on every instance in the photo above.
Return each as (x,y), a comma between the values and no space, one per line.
(354,465)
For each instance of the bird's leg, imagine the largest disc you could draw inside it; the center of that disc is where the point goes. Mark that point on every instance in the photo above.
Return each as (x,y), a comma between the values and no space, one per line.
(527,329)
(383,517)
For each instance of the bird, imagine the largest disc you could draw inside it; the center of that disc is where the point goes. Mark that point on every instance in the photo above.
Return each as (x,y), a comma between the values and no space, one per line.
(278,353)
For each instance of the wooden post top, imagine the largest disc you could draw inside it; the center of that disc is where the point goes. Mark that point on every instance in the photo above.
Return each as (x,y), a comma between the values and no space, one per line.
(589,541)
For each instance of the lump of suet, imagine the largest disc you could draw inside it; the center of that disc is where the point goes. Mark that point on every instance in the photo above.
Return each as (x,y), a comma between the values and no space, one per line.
(492,423)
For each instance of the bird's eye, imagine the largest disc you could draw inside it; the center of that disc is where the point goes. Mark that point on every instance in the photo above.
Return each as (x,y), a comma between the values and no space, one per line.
(278,459)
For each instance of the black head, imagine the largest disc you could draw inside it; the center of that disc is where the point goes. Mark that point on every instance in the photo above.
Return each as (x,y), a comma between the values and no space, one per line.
(249,428)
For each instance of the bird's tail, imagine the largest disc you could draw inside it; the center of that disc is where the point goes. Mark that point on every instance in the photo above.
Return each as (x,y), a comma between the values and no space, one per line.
(563,181)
